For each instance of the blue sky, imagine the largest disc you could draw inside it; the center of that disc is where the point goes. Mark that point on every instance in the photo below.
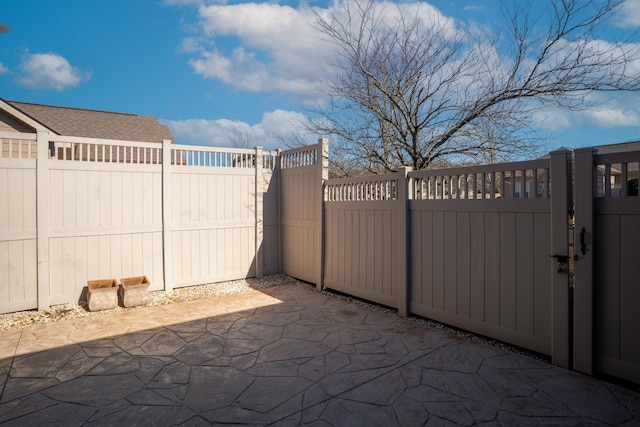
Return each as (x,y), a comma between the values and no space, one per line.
(215,72)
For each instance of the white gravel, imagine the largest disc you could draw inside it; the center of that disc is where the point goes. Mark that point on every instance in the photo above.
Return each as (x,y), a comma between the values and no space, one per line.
(75,310)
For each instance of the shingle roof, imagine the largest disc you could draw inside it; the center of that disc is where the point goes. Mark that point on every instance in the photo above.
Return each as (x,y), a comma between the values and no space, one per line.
(95,124)
(617,148)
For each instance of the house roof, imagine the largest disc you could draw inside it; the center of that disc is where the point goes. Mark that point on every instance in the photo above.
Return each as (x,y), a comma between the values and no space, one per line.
(95,124)
(617,148)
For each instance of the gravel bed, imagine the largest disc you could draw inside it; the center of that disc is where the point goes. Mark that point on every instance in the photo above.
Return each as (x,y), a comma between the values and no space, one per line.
(76,310)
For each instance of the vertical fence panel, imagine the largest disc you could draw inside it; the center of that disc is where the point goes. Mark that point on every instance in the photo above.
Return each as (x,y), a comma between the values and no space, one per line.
(583,327)
(541,283)
(302,171)
(218,224)
(508,278)
(607,294)
(362,215)
(561,180)
(79,193)
(483,251)
(477,266)
(18,218)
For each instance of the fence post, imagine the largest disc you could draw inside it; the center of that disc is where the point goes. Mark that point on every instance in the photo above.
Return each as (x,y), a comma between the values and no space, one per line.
(278,176)
(42,219)
(561,181)
(323,165)
(583,267)
(167,242)
(259,260)
(403,240)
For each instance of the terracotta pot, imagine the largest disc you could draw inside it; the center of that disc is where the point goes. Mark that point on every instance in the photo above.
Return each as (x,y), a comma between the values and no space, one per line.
(135,291)
(102,294)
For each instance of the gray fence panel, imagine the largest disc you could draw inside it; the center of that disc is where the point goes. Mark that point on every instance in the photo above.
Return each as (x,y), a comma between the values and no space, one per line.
(608,291)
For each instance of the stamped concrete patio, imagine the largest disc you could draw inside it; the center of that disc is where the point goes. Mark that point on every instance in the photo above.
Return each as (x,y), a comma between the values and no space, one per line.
(287,356)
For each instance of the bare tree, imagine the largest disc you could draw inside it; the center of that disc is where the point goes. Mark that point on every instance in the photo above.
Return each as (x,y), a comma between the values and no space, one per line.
(241,138)
(422,92)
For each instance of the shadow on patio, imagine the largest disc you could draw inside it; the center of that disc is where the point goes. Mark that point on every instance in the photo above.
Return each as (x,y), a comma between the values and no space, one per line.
(286,355)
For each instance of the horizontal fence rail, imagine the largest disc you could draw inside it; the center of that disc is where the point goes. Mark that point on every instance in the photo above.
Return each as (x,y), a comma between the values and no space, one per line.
(365,188)
(616,175)
(510,180)
(17,146)
(104,151)
(299,157)
(219,157)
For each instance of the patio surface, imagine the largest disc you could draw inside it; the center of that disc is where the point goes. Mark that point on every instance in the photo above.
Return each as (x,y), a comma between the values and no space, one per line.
(287,356)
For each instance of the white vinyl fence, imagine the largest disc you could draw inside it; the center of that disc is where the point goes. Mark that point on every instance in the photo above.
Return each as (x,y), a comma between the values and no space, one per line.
(18,231)
(78,209)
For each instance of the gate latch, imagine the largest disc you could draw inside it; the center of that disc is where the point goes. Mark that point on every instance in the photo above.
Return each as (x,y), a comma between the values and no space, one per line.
(562,262)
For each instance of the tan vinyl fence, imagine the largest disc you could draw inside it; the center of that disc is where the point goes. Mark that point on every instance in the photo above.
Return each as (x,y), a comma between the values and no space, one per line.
(78,209)
(302,172)
(469,247)
(481,240)
(362,237)
(487,249)
(483,248)
(607,266)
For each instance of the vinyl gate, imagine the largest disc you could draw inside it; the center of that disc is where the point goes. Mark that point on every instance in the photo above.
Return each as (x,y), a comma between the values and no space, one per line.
(607,264)
(481,241)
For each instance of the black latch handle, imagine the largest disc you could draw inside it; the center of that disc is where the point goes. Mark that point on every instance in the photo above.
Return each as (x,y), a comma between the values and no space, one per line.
(561,258)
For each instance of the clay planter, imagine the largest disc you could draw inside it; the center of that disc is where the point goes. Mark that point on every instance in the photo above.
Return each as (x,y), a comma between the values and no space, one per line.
(102,294)
(135,291)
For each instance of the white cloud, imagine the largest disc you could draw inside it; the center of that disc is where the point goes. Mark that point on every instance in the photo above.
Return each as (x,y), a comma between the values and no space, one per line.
(611,118)
(190,45)
(629,15)
(240,70)
(621,112)
(273,48)
(49,71)
(3,69)
(553,120)
(273,128)
(267,47)
(270,47)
